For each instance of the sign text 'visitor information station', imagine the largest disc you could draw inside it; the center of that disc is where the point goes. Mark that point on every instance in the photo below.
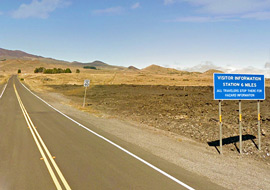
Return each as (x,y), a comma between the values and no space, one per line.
(239,87)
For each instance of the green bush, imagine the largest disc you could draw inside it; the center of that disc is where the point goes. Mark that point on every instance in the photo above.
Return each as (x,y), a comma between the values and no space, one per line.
(48,71)
(19,71)
(55,70)
(90,67)
(78,71)
(59,70)
(68,70)
(39,70)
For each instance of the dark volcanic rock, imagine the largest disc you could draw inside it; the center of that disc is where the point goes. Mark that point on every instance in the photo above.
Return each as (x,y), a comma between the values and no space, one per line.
(133,68)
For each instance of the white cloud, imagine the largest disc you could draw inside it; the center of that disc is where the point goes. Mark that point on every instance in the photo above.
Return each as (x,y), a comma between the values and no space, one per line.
(115,10)
(229,6)
(38,9)
(135,6)
(237,9)
(205,66)
(111,10)
(1,13)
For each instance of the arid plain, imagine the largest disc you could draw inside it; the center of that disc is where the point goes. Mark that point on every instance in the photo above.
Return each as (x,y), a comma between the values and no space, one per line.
(177,102)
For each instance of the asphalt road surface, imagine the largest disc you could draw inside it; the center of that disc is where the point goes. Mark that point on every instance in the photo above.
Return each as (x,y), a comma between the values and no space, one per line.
(42,149)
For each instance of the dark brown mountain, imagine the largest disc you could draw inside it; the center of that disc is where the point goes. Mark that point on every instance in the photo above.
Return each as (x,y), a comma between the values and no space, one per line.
(16,54)
(20,55)
(99,65)
(133,68)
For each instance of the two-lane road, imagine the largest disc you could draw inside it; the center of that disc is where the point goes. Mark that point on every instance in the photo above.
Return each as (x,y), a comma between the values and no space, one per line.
(42,149)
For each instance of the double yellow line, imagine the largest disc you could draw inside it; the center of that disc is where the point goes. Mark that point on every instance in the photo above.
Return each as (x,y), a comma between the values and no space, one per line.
(43,149)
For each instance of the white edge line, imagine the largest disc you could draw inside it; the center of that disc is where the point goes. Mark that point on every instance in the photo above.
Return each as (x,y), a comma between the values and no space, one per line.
(3,91)
(112,143)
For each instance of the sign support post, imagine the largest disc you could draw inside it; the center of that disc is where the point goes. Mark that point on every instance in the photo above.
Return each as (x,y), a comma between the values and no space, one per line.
(86,84)
(84,97)
(240,126)
(259,125)
(220,127)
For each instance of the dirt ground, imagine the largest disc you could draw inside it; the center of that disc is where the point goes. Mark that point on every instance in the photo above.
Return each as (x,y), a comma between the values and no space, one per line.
(3,78)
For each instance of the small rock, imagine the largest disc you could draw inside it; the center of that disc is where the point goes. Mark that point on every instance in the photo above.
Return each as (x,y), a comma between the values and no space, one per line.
(267,154)
(213,119)
(263,132)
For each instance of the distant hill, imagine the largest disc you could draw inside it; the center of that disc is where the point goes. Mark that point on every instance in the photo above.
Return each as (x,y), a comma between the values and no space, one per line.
(16,54)
(98,65)
(132,68)
(203,67)
(208,68)
(267,65)
(212,71)
(162,70)
(20,55)
(37,60)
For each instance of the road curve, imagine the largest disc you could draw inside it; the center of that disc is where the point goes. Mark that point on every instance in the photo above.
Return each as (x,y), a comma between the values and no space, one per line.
(74,158)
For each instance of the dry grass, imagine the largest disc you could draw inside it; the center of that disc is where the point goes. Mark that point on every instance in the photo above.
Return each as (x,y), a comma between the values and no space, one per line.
(11,66)
(98,77)
(101,77)
(4,78)
(152,75)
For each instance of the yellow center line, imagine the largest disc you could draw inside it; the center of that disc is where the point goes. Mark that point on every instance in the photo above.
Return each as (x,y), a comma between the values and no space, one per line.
(49,155)
(36,135)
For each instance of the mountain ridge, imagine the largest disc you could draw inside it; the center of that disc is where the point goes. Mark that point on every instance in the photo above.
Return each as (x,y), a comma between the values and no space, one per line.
(98,64)
(18,54)
(4,53)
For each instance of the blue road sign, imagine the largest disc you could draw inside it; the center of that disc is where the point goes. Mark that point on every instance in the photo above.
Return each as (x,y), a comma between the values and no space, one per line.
(239,87)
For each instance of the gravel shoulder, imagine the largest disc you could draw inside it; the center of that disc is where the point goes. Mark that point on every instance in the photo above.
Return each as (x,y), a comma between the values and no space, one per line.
(231,171)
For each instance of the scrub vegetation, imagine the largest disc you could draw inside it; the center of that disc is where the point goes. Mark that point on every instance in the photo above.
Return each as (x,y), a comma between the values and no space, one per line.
(52,71)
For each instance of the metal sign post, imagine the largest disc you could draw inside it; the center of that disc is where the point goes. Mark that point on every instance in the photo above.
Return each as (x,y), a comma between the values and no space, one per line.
(86,84)
(259,125)
(240,126)
(220,127)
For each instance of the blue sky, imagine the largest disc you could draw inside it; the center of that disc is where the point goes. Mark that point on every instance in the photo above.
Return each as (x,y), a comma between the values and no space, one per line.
(175,33)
